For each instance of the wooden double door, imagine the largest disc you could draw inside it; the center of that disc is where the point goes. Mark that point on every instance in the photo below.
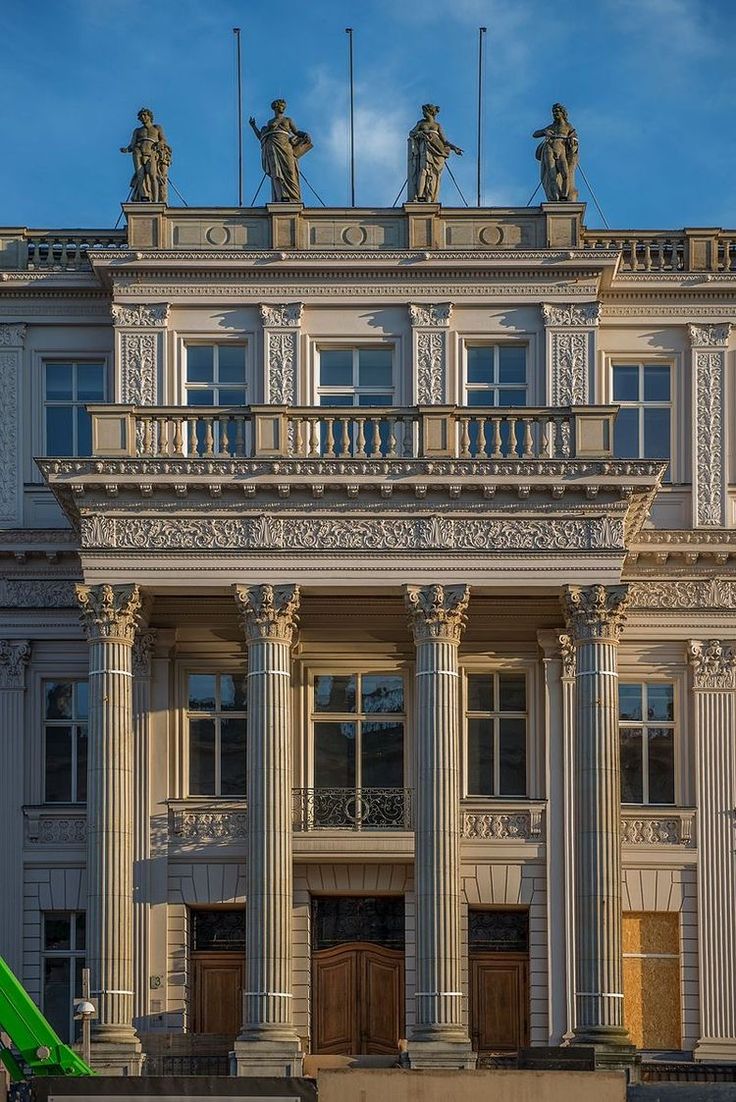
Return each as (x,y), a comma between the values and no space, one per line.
(499,1002)
(357,999)
(218,983)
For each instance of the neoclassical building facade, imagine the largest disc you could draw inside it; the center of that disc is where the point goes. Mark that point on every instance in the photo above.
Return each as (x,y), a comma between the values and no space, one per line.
(368,666)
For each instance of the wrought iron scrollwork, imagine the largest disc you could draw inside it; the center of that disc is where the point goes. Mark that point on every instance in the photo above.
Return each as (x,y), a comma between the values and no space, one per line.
(352,809)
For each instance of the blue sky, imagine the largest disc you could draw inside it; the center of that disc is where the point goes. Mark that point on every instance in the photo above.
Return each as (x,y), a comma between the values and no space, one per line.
(649,84)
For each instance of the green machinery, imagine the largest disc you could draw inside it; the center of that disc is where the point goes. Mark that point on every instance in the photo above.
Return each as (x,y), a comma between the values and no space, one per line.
(38,1050)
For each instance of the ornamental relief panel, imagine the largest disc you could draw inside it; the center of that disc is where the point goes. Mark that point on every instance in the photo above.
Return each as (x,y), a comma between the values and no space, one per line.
(36,593)
(138,368)
(695,594)
(709,487)
(571,314)
(143,315)
(281,360)
(430,368)
(9,369)
(569,369)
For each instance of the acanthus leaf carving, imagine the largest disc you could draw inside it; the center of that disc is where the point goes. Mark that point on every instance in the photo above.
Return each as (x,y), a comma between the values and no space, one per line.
(569,368)
(430,368)
(709,370)
(286,315)
(437,611)
(268,612)
(138,368)
(595,611)
(36,593)
(109,611)
(713,664)
(141,315)
(695,593)
(15,655)
(9,426)
(145,641)
(709,336)
(571,314)
(12,335)
(567,654)
(281,358)
(430,315)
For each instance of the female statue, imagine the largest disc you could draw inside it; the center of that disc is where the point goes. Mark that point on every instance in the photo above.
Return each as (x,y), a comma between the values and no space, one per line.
(151,160)
(428,151)
(558,157)
(281,146)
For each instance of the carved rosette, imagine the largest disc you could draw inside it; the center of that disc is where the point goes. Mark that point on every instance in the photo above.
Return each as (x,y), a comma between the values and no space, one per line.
(437,611)
(11,344)
(709,343)
(281,339)
(14,657)
(595,612)
(570,333)
(713,664)
(430,324)
(268,612)
(138,329)
(109,612)
(143,645)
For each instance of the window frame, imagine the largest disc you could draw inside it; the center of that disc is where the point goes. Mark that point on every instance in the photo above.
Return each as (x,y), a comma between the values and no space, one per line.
(49,356)
(217,671)
(643,724)
(72,722)
(469,342)
(72,954)
(188,388)
(521,669)
(177,370)
(676,467)
(354,389)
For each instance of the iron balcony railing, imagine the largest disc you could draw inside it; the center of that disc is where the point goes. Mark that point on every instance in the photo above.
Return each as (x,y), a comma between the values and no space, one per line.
(352,809)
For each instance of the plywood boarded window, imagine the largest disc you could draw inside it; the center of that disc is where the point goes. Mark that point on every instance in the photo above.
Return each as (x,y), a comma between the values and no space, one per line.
(651,950)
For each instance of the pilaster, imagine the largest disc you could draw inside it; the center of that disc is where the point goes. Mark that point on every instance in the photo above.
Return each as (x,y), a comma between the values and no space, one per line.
(140,351)
(268,1043)
(708,345)
(12,338)
(145,641)
(110,619)
(571,331)
(430,325)
(281,335)
(14,657)
(437,616)
(713,670)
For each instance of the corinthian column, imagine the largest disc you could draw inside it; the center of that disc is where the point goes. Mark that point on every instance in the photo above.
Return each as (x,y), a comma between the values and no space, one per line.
(713,666)
(268,1044)
(437,616)
(595,616)
(110,618)
(14,656)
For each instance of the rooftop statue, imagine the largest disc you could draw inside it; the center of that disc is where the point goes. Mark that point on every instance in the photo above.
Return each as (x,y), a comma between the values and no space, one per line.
(557,154)
(151,160)
(281,147)
(428,151)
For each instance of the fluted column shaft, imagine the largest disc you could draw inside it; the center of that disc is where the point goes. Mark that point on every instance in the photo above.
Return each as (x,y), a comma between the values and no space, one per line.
(595,616)
(14,656)
(109,614)
(142,649)
(713,666)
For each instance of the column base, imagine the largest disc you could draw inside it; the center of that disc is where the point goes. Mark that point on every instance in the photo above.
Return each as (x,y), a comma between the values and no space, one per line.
(611,1046)
(120,1058)
(441,1052)
(715,1050)
(282,1058)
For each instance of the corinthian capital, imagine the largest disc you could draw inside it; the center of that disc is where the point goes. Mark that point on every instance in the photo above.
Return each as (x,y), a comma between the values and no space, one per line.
(140,315)
(430,315)
(709,336)
(713,664)
(14,656)
(268,611)
(437,611)
(109,611)
(574,315)
(13,335)
(595,611)
(286,315)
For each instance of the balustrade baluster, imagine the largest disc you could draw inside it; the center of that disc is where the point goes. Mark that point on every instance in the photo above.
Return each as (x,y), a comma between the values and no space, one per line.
(464,424)
(147,434)
(178,436)
(360,442)
(544,439)
(315,434)
(528,445)
(240,436)
(224,437)
(647,256)
(513,446)
(344,450)
(391,438)
(375,446)
(192,443)
(497,453)
(330,438)
(209,437)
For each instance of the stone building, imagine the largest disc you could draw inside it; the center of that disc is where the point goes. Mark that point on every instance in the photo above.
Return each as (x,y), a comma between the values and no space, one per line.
(477,633)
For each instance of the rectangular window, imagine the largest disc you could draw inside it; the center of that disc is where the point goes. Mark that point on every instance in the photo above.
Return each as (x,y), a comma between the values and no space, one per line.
(495,375)
(216,715)
(63,960)
(496,719)
(356,376)
(216,375)
(647,742)
(643,425)
(65,741)
(67,388)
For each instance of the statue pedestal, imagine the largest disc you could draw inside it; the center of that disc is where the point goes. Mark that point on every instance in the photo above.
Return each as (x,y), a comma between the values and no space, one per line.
(564,225)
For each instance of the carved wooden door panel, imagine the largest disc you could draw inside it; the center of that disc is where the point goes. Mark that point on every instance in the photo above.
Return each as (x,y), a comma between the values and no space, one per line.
(334,1000)
(357,999)
(381,999)
(499,1002)
(218,993)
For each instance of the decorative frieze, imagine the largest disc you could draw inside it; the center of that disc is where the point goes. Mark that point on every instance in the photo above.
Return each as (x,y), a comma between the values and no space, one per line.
(109,611)
(595,611)
(523,826)
(437,611)
(694,594)
(14,657)
(268,611)
(206,825)
(49,828)
(713,664)
(659,830)
(11,345)
(429,324)
(36,593)
(709,343)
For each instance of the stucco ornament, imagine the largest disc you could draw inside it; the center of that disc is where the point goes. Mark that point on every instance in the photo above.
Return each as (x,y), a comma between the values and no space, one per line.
(12,336)
(145,641)
(151,159)
(287,315)
(428,151)
(14,657)
(109,611)
(437,611)
(430,315)
(595,611)
(572,314)
(140,315)
(557,154)
(268,612)
(281,147)
(713,664)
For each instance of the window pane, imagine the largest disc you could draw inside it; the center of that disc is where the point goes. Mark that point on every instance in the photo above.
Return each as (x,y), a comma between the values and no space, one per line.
(90,382)
(231,397)
(480,398)
(59,699)
(511,692)
(202,692)
(382,693)
(57,931)
(59,382)
(58,764)
(626,383)
(480,692)
(661,765)
(508,397)
(629,701)
(626,434)
(200,363)
(632,790)
(204,397)
(84,432)
(231,363)
(375,400)
(512,757)
(233,692)
(232,757)
(59,430)
(375,367)
(202,757)
(81,698)
(336,367)
(81,764)
(334,694)
(660,702)
(480,365)
(511,365)
(657,383)
(336,400)
(57,994)
(480,757)
(81,932)
(334,755)
(656,433)
(382,755)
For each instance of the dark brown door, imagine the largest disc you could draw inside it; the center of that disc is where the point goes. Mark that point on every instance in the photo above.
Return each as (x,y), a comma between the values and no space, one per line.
(358,999)
(499,1001)
(218,993)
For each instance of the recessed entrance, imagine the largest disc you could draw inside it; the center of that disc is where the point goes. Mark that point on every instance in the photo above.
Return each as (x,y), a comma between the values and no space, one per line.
(357,975)
(498,943)
(218,963)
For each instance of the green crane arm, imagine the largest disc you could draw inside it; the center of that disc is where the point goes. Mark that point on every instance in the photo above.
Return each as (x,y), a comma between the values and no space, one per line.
(37,1045)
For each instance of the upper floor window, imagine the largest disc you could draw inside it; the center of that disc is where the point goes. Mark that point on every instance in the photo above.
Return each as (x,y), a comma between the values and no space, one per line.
(643,426)
(496,718)
(216,375)
(356,376)
(65,741)
(67,388)
(359,730)
(216,713)
(495,375)
(647,742)
(64,942)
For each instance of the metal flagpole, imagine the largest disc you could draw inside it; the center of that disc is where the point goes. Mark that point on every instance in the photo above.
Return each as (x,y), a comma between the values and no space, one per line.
(236,32)
(481,32)
(349,33)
